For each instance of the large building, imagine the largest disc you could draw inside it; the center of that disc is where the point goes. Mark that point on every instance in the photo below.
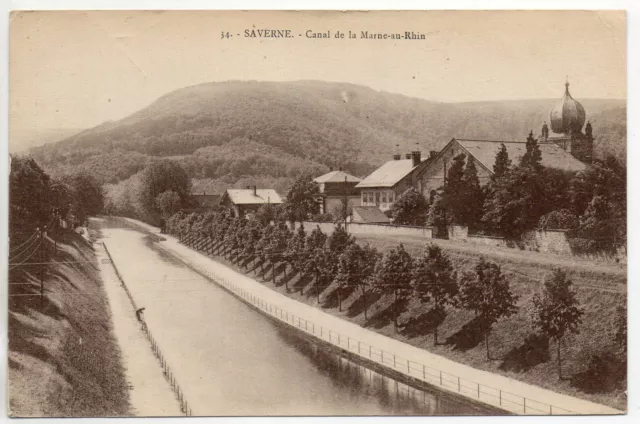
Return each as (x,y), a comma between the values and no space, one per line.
(335,187)
(384,185)
(568,148)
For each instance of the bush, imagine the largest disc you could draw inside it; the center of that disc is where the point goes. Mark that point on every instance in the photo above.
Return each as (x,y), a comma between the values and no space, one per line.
(561,219)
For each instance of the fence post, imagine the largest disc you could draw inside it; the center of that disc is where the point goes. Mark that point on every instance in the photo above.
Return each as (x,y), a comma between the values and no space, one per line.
(394,361)
(524,404)
(500,397)
(441,378)
(458,384)
(408,367)
(369,351)
(424,372)
(478,390)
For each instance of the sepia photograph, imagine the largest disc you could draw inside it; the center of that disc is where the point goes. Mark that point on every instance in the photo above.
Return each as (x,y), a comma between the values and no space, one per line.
(317,213)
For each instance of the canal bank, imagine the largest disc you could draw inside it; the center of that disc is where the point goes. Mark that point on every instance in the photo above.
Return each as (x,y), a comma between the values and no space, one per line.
(448,376)
(149,393)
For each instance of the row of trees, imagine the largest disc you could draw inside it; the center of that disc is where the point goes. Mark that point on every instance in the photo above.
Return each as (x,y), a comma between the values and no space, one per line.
(36,199)
(525,196)
(338,261)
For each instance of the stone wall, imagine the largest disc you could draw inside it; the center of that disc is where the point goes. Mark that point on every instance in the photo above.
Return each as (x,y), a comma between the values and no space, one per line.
(390,229)
(549,241)
(457,232)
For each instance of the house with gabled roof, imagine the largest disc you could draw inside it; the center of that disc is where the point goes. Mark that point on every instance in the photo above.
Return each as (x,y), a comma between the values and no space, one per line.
(483,152)
(241,201)
(383,186)
(335,187)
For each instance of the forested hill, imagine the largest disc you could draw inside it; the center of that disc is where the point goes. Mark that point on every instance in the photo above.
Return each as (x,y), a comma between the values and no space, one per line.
(274,130)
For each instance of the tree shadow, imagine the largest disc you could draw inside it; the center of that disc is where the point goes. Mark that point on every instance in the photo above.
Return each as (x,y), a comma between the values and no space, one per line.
(384,317)
(534,351)
(424,324)
(605,372)
(332,300)
(470,335)
(357,307)
(302,282)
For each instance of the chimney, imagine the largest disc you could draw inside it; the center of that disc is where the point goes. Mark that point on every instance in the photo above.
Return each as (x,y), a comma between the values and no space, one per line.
(415,155)
(340,169)
(248,187)
(407,155)
(433,154)
(397,156)
(204,193)
(330,168)
(255,190)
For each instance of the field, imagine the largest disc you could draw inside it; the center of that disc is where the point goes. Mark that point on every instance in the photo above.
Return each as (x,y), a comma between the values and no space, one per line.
(63,358)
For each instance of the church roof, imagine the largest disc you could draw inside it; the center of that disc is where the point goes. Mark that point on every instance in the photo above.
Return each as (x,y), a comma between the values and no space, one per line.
(553,156)
(568,115)
(389,174)
(336,177)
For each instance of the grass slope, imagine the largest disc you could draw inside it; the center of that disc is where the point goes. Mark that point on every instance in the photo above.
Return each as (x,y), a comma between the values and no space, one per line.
(64,360)
(516,350)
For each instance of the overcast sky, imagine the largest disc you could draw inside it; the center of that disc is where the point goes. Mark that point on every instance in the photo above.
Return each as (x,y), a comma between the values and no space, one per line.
(78,69)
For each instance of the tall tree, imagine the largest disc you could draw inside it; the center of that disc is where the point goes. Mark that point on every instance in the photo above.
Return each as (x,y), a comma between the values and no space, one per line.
(532,159)
(356,266)
(168,202)
(302,198)
(435,280)
(557,311)
(295,252)
(472,196)
(410,208)
(486,292)
(393,276)
(502,162)
(29,191)
(159,177)
(339,240)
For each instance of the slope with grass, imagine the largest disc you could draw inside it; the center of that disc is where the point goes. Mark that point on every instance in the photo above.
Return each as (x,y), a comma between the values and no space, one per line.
(64,360)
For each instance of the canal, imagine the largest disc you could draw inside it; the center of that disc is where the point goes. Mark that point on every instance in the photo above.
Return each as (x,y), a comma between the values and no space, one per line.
(231,360)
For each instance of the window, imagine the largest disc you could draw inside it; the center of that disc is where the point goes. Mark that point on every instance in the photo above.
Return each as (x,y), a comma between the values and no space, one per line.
(377,197)
(384,197)
(364,198)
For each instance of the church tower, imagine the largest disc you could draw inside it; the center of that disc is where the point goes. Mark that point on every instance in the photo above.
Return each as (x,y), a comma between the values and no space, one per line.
(567,118)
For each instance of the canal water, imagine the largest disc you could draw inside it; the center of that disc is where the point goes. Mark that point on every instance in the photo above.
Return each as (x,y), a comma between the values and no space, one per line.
(231,360)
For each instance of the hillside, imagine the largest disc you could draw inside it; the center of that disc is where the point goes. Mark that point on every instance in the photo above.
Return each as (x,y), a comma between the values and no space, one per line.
(23,139)
(225,132)
(63,358)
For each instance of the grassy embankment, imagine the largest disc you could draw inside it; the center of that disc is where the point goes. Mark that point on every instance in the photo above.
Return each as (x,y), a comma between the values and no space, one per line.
(516,350)
(64,360)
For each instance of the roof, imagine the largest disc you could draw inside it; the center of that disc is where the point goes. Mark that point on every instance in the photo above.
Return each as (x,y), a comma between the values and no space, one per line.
(245,196)
(370,214)
(336,177)
(389,174)
(553,156)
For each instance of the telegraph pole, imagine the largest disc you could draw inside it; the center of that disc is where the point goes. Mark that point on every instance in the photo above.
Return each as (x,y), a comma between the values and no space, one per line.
(42,265)
(346,202)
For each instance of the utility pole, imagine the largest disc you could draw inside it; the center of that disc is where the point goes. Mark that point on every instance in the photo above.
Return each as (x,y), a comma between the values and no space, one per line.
(42,265)
(346,202)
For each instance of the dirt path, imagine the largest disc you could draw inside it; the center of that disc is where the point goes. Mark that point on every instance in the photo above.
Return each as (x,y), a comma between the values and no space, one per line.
(150,393)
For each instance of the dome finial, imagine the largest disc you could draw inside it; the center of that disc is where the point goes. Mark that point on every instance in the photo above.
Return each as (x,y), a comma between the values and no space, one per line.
(566,85)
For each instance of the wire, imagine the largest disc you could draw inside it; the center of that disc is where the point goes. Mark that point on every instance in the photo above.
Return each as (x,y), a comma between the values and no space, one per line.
(28,257)
(24,251)
(13,249)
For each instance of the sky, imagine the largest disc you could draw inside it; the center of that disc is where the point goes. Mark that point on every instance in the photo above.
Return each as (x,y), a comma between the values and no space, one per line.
(78,69)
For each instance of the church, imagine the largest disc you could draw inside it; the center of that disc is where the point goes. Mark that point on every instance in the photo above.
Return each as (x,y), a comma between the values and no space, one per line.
(567,148)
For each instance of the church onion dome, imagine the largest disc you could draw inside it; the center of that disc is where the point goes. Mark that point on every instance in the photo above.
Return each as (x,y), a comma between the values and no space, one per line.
(568,115)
